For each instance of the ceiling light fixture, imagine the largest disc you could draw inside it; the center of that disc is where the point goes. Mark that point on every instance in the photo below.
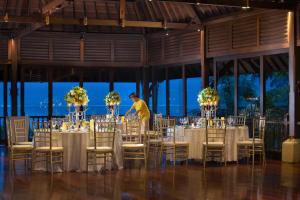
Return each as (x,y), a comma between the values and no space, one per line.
(247,5)
(47,20)
(6,17)
(85,21)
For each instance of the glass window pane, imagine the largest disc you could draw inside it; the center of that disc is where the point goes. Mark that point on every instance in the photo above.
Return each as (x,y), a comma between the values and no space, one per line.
(36,98)
(60,89)
(161,97)
(124,89)
(176,97)
(194,86)
(96,92)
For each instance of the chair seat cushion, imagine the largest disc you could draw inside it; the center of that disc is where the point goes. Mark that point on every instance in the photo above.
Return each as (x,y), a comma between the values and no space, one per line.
(214,144)
(48,149)
(177,143)
(100,149)
(22,147)
(132,145)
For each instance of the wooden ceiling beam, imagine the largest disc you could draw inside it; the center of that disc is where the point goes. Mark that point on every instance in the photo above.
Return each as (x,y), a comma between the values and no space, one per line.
(100,22)
(53,6)
(268,4)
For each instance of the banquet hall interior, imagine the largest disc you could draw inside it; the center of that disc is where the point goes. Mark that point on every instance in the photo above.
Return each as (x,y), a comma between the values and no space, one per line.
(149,99)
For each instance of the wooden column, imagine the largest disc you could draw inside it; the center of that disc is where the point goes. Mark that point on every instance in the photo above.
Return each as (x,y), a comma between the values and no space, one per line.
(111,80)
(13,57)
(81,79)
(5,77)
(215,73)
(262,86)
(137,81)
(167,92)
(184,91)
(294,78)
(154,91)
(50,93)
(203,59)
(236,85)
(22,92)
(145,85)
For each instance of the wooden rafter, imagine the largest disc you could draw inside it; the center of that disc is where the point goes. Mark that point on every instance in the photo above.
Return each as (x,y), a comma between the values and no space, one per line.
(100,22)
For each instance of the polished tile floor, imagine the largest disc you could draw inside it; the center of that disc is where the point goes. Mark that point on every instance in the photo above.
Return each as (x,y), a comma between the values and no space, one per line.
(275,181)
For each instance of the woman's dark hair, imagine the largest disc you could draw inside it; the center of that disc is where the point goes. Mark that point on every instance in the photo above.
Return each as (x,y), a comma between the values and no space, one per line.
(133,95)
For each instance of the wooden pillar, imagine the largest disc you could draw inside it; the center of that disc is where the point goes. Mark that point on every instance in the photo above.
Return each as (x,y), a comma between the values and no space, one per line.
(184,91)
(111,80)
(154,91)
(145,85)
(215,74)
(137,81)
(22,92)
(13,57)
(203,59)
(294,78)
(81,79)
(167,92)
(50,93)
(236,85)
(262,86)
(5,77)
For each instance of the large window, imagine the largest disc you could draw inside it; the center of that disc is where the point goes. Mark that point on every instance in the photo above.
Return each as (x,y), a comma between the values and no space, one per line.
(225,87)
(36,98)
(194,86)
(60,89)
(96,92)
(176,97)
(248,89)
(161,97)
(125,88)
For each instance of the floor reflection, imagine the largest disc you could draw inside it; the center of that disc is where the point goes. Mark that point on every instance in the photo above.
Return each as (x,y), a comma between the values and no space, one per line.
(275,181)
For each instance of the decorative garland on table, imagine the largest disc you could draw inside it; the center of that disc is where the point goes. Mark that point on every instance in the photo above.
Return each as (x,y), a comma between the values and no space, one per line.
(77,97)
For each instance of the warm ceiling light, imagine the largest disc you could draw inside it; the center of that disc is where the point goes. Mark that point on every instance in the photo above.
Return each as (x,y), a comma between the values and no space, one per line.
(6,17)
(47,20)
(167,32)
(197,3)
(198,29)
(247,5)
(85,21)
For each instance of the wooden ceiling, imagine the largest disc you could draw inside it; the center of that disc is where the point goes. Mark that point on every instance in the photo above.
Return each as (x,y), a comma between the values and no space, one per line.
(142,16)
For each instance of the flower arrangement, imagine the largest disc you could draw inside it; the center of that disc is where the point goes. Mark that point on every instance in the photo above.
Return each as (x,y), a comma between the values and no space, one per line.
(208,97)
(112,98)
(77,97)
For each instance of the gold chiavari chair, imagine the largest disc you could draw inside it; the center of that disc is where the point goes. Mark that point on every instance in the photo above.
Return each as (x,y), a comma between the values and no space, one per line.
(45,147)
(17,151)
(254,145)
(214,144)
(172,145)
(19,130)
(237,121)
(134,145)
(103,143)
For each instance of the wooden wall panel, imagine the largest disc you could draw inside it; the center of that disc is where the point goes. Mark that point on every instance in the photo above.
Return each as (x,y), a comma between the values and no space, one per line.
(66,49)
(33,48)
(180,48)
(3,49)
(127,50)
(97,50)
(260,32)
(273,28)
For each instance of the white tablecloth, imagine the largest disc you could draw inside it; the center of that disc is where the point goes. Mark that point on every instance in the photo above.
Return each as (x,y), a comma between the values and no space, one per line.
(75,144)
(196,136)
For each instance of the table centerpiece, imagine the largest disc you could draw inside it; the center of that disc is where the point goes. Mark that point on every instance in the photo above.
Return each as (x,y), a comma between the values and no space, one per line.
(208,100)
(112,102)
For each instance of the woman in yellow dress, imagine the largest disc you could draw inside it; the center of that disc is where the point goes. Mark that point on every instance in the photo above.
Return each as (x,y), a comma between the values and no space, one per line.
(142,111)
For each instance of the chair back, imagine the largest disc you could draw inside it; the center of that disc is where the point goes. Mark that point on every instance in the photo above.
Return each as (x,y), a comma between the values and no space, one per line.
(18,129)
(236,120)
(259,125)
(98,118)
(104,134)
(133,131)
(168,127)
(215,131)
(156,122)
(42,131)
